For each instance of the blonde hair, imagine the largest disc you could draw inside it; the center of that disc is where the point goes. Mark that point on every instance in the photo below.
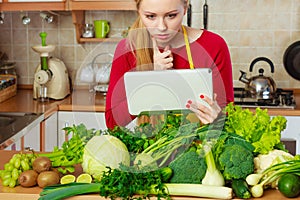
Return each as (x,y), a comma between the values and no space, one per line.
(140,42)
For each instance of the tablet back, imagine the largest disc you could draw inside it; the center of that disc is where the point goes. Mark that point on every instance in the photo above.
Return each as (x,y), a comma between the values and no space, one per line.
(166,90)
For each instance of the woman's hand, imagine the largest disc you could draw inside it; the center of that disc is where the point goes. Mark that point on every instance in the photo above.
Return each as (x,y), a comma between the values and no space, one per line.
(205,114)
(162,60)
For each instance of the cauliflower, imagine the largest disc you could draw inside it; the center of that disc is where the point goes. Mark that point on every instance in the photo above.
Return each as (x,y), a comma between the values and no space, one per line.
(263,161)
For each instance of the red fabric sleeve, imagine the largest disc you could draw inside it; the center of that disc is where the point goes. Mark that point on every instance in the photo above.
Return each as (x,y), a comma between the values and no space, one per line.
(116,108)
(219,53)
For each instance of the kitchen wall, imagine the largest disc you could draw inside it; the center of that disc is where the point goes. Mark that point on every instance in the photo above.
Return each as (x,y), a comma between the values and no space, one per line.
(251,28)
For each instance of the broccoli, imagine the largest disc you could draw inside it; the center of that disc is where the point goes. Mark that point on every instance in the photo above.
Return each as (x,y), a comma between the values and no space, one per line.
(236,162)
(189,167)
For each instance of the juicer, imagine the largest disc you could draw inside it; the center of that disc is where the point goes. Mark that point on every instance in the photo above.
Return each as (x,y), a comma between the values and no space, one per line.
(51,79)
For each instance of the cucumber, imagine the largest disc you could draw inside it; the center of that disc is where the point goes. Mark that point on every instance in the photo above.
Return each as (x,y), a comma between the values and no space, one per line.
(240,188)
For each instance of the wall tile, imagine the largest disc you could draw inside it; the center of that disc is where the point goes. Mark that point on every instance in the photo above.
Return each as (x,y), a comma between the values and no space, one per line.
(251,28)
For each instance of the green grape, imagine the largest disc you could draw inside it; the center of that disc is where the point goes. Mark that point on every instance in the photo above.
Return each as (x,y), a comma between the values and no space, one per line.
(12,160)
(30,155)
(15,174)
(12,183)
(31,161)
(17,163)
(6,182)
(8,167)
(26,159)
(17,155)
(25,166)
(6,175)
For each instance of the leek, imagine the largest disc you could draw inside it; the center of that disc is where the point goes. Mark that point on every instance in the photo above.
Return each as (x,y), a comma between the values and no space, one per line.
(192,190)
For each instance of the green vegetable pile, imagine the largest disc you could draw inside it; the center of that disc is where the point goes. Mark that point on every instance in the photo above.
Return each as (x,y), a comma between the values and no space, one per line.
(209,160)
(71,152)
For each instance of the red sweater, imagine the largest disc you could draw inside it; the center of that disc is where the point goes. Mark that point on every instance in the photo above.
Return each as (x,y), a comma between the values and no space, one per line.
(209,50)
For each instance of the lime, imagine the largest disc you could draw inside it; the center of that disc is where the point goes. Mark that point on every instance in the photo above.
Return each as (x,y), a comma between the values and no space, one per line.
(289,185)
(67,179)
(84,178)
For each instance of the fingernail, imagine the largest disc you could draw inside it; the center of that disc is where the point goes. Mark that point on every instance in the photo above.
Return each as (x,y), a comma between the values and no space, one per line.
(188,105)
(190,101)
(201,96)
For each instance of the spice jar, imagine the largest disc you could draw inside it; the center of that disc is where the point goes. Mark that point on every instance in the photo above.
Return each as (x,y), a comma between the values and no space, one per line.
(88,31)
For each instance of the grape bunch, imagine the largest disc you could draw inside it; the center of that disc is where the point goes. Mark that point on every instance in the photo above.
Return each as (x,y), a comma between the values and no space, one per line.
(19,163)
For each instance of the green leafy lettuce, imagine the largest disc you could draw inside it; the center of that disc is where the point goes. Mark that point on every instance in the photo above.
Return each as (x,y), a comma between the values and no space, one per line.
(258,128)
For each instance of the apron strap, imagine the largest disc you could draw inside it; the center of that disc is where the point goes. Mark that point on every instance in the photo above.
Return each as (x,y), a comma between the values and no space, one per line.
(188,49)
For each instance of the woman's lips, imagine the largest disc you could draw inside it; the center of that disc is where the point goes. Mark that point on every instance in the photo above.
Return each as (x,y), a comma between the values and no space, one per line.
(162,36)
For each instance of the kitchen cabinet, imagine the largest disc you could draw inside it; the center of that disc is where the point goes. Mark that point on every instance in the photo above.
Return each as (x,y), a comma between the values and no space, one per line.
(101,5)
(48,133)
(91,120)
(33,5)
(30,138)
(66,5)
(41,137)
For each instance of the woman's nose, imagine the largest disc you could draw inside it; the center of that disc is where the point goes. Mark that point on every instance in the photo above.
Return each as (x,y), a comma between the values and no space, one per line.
(162,25)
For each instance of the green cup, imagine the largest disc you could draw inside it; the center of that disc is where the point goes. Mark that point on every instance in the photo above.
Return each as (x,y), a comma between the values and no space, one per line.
(101,28)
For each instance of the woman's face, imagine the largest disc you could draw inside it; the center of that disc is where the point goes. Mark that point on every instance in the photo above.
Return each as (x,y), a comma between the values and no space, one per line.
(162,18)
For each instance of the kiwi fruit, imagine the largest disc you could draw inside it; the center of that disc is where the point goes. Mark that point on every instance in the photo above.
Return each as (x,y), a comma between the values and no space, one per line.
(28,178)
(41,164)
(47,178)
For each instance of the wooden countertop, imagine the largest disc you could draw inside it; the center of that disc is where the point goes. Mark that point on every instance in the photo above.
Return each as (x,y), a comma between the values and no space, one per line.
(79,100)
(20,193)
(83,100)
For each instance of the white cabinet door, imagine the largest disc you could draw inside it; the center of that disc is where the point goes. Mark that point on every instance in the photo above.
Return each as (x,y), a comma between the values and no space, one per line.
(91,120)
(51,132)
(32,138)
(292,130)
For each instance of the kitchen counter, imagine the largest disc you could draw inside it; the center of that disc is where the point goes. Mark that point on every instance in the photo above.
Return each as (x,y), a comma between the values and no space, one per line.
(83,100)
(20,193)
(79,100)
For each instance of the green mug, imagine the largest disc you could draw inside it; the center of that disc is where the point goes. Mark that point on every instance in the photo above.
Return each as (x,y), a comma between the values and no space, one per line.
(101,28)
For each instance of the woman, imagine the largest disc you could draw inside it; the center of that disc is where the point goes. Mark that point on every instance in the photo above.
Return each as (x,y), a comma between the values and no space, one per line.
(158,41)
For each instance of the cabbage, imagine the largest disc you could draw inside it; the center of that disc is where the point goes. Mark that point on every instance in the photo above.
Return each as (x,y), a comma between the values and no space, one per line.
(102,151)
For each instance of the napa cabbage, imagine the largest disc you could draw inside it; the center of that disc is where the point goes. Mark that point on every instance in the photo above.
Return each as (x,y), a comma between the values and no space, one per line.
(104,151)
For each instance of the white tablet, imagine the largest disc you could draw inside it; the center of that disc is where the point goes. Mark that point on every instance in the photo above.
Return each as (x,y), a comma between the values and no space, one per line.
(166,90)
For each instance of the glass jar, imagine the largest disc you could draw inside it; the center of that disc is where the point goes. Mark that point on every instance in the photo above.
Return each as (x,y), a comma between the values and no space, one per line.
(8,69)
(88,31)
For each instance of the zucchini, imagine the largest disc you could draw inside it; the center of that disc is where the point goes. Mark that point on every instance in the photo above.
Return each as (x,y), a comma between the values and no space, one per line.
(240,188)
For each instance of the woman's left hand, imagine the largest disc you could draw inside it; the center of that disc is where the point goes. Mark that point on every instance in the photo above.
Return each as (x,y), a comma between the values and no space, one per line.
(204,113)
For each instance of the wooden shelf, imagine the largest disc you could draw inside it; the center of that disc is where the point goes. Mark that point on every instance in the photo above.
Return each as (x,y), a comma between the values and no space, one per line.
(30,6)
(82,40)
(78,17)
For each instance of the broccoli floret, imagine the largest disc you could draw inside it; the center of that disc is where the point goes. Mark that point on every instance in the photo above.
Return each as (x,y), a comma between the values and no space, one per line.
(236,162)
(189,167)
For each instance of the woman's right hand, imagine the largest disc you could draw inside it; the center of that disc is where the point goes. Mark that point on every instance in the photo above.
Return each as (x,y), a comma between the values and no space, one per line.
(162,60)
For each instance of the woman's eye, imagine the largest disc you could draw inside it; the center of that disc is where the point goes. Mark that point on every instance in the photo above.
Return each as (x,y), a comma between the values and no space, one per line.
(171,16)
(150,16)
